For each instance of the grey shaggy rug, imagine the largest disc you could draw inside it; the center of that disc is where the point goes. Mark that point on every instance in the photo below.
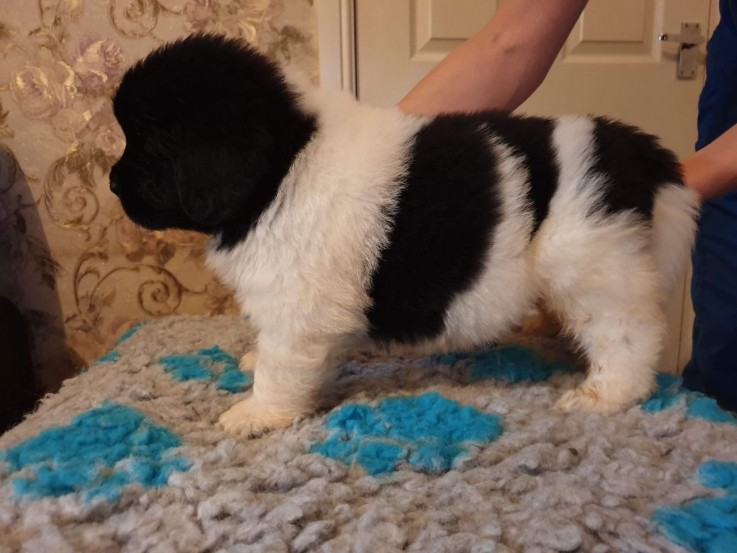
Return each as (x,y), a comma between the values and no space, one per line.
(454,453)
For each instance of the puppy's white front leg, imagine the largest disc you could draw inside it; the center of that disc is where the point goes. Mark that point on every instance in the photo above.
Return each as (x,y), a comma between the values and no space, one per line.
(286,386)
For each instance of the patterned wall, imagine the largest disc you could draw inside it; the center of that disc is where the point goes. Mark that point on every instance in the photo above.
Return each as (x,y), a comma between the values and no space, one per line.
(81,272)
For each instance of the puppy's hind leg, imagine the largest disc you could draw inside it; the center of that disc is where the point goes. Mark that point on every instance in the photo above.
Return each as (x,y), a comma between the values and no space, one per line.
(623,347)
(611,304)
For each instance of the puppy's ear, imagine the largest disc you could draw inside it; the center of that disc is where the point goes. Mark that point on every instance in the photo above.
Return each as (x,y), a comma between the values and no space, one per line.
(216,182)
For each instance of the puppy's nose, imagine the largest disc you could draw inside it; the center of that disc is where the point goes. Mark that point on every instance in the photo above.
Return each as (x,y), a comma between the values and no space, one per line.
(114,184)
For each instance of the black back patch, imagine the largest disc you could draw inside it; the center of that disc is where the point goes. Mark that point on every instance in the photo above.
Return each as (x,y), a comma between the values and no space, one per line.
(634,167)
(442,230)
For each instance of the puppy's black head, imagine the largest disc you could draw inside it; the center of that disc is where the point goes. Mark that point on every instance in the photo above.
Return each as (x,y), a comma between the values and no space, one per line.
(211,129)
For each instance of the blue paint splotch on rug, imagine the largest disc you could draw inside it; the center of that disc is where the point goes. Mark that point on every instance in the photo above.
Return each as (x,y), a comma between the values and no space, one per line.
(128,334)
(114,355)
(505,363)
(212,364)
(110,357)
(99,453)
(429,432)
(706,525)
(670,392)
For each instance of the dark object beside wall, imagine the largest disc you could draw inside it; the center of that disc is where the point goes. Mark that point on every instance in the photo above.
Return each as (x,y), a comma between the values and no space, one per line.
(18,390)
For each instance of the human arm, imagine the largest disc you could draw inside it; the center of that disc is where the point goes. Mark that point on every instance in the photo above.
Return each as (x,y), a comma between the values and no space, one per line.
(712,171)
(501,65)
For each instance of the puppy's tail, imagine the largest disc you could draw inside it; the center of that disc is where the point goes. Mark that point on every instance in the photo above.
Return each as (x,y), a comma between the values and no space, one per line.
(675,212)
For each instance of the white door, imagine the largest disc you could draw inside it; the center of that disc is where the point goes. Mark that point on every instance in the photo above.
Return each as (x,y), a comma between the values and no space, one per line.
(612,64)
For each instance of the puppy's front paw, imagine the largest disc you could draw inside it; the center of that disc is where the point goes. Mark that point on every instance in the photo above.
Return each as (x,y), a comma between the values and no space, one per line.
(250,418)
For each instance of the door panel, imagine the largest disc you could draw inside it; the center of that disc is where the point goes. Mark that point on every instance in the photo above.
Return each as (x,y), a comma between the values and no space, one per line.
(610,28)
(398,42)
(436,30)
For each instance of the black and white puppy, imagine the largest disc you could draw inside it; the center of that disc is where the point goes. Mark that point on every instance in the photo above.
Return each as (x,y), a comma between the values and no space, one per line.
(344,226)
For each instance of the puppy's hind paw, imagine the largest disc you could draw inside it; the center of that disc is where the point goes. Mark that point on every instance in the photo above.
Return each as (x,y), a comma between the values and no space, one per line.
(589,398)
(250,419)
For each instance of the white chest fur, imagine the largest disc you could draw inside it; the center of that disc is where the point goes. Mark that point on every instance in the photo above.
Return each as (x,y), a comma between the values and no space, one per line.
(304,268)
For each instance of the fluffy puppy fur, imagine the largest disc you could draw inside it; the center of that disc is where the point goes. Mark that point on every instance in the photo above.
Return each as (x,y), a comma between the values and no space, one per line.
(344,226)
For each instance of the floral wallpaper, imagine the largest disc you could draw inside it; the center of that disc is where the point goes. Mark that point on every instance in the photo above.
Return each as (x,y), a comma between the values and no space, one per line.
(80,271)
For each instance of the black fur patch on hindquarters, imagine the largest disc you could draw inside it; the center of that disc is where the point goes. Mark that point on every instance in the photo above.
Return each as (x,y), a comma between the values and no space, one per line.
(634,167)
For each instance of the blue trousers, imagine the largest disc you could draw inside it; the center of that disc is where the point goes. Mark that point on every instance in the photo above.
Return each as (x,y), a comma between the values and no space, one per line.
(712,368)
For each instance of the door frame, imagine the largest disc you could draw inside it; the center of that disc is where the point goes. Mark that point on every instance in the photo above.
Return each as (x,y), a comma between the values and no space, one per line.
(336,31)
